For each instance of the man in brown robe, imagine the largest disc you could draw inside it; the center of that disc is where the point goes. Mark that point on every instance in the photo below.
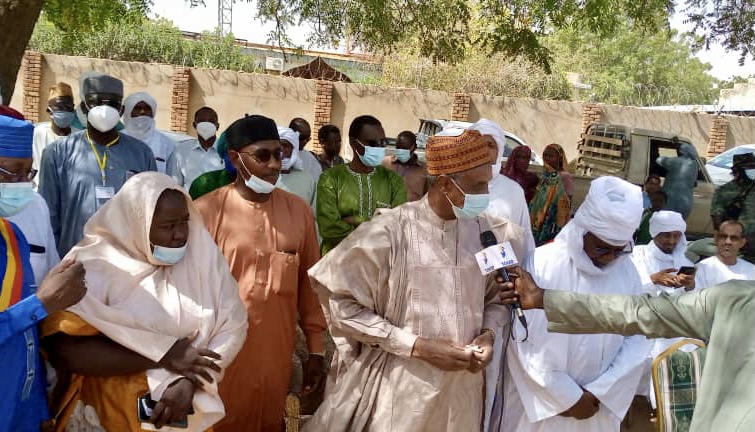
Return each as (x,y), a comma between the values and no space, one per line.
(268,236)
(409,309)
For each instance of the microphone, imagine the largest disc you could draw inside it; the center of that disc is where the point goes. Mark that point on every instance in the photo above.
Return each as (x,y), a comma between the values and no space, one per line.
(487,238)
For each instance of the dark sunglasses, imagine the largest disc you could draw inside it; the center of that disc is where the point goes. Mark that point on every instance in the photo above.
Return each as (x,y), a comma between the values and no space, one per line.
(264,155)
(99,101)
(617,251)
(17,178)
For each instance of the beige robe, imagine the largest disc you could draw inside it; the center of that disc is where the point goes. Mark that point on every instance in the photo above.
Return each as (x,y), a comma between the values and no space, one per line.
(406,273)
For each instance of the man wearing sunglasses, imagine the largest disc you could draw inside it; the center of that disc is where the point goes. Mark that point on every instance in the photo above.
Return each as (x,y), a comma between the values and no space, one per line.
(349,194)
(268,237)
(575,383)
(81,172)
(60,107)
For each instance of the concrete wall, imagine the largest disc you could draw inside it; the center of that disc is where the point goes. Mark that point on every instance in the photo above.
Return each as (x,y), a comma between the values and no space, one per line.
(537,122)
(233,94)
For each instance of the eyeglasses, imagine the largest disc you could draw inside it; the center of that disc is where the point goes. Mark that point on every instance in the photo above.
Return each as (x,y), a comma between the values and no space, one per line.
(374,143)
(18,178)
(93,101)
(617,251)
(263,155)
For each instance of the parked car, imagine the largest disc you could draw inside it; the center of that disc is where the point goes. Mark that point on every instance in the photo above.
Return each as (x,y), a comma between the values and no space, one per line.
(428,128)
(719,167)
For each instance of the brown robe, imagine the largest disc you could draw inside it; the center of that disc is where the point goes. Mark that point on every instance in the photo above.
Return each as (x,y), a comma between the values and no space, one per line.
(269,246)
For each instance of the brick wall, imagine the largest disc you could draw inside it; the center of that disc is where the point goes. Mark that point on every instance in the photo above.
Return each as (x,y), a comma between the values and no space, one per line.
(32,67)
(460,110)
(179,104)
(719,128)
(323,109)
(591,113)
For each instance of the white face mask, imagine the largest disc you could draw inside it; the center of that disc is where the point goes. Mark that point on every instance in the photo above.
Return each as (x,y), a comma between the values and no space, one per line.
(288,163)
(257,184)
(206,130)
(140,126)
(750,173)
(104,118)
(168,255)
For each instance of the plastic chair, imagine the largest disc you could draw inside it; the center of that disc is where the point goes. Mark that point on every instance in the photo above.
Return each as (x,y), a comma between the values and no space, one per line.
(676,379)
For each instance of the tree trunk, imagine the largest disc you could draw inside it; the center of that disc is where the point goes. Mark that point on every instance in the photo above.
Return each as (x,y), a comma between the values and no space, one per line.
(17,19)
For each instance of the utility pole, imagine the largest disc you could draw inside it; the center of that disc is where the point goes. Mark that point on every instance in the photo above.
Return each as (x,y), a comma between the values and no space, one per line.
(225,16)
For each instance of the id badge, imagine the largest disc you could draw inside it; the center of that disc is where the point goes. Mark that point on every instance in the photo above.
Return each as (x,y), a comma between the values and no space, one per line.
(102,194)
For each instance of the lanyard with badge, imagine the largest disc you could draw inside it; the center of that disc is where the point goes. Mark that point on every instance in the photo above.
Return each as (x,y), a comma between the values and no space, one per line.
(102,193)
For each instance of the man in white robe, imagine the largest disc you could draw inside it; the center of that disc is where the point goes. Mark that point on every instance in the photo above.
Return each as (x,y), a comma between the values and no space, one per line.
(139,111)
(506,201)
(726,265)
(408,307)
(583,383)
(658,264)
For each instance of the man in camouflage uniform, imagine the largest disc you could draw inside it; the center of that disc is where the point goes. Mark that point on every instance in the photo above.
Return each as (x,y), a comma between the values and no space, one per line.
(742,189)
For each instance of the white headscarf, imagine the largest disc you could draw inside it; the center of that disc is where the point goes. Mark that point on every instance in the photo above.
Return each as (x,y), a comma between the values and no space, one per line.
(666,221)
(292,137)
(489,127)
(612,211)
(144,128)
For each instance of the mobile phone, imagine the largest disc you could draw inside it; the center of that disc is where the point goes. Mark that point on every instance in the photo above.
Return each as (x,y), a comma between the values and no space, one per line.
(686,270)
(144,407)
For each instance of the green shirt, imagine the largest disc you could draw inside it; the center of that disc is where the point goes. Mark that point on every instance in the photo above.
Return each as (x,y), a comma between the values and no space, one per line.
(723,316)
(208,182)
(341,193)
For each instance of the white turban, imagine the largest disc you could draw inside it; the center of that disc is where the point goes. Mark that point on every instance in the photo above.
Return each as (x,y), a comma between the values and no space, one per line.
(489,127)
(612,210)
(666,221)
(142,132)
(292,137)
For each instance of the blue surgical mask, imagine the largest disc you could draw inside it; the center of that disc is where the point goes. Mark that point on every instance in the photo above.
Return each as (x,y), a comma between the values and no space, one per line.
(750,173)
(474,204)
(14,197)
(257,184)
(403,155)
(373,156)
(62,119)
(169,255)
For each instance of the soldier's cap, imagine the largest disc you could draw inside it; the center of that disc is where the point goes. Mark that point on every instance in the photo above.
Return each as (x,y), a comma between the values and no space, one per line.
(744,160)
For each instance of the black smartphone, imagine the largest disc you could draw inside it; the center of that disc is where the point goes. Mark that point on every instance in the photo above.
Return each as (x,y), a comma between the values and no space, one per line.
(686,270)
(144,407)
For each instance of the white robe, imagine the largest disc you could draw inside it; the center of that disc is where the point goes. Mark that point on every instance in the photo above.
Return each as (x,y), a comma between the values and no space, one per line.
(546,373)
(711,271)
(648,260)
(34,222)
(506,201)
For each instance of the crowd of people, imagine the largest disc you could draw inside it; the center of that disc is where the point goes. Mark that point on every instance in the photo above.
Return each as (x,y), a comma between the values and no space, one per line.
(189,266)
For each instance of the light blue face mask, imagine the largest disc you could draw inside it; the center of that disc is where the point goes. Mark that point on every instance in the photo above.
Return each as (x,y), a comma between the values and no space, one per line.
(168,255)
(403,155)
(14,197)
(62,119)
(474,204)
(373,156)
(750,173)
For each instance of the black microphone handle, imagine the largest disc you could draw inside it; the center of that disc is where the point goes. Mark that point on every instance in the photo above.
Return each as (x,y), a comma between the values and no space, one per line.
(517,307)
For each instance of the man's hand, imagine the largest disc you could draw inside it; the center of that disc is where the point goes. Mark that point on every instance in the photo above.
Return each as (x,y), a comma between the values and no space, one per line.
(687,281)
(184,359)
(64,286)
(481,359)
(667,278)
(350,220)
(443,354)
(523,290)
(314,374)
(174,405)
(586,407)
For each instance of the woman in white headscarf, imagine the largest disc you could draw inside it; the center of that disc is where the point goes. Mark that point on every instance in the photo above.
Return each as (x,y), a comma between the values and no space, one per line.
(161,319)
(139,110)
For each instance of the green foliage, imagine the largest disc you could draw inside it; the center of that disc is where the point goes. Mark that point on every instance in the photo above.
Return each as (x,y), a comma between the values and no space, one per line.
(144,41)
(85,15)
(729,22)
(494,75)
(634,67)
